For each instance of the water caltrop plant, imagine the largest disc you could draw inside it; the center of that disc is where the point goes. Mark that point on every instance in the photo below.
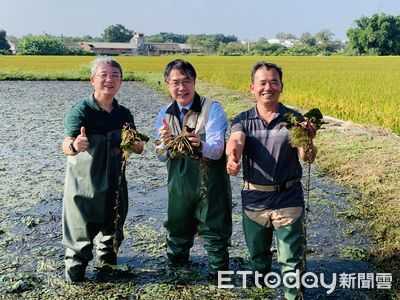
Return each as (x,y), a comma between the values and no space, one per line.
(130,139)
(299,137)
(179,146)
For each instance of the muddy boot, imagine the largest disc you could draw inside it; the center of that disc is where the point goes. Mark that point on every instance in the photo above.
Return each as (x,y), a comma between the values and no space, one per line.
(218,258)
(105,248)
(75,267)
(75,273)
(178,261)
(178,250)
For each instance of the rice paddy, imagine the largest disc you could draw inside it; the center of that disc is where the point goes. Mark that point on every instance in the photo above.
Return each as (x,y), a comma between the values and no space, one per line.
(360,89)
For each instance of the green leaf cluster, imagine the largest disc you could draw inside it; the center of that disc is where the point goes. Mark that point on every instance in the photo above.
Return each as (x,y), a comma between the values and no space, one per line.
(4,46)
(298,136)
(375,35)
(41,46)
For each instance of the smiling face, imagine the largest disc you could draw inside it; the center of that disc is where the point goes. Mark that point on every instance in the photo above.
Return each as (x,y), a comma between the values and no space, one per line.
(181,86)
(106,81)
(266,87)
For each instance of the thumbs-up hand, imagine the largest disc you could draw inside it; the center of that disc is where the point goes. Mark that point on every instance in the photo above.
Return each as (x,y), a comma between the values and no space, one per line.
(233,165)
(81,142)
(83,132)
(165,131)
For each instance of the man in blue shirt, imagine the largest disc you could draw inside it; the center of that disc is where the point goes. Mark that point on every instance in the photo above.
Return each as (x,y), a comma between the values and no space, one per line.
(192,207)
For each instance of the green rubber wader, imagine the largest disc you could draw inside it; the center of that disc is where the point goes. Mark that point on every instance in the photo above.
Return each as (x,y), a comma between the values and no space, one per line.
(190,213)
(289,243)
(89,204)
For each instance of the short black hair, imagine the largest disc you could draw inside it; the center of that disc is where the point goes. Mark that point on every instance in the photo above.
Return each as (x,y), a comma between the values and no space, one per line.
(183,66)
(263,64)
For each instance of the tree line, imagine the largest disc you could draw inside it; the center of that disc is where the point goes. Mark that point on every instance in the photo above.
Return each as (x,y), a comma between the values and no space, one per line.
(375,35)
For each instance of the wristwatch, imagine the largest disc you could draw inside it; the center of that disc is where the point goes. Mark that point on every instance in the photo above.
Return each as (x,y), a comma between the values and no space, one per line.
(72,148)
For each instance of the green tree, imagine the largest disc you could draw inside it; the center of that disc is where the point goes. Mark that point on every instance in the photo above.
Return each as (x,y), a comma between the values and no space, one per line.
(117,33)
(324,36)
(285,36)
(302,50)
(41,46)
(325,43)
(193,40)
(378,34)
(4,46)
(262,47)
(225,38)
(210,42)
(164,37)
(232,48)
(307,38)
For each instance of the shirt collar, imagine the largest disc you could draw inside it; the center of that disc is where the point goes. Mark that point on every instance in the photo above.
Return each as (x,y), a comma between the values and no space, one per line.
(282,109)
(187,106)
(93,104)
(194,105)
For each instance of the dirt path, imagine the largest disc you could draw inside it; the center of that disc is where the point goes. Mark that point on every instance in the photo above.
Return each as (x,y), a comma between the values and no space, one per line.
(31,183)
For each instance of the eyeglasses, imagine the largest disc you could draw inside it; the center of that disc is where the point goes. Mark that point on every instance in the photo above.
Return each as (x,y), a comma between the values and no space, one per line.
(185,82)
(104,76)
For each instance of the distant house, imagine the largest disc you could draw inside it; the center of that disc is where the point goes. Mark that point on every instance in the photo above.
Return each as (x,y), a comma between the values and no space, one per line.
(109,48)
(13,46)
(163,48)
(139,45)
(72,45)
(190,49)
(287,43)
(172,48)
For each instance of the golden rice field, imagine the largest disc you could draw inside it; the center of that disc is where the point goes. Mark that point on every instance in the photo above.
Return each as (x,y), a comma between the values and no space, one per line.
(364,90)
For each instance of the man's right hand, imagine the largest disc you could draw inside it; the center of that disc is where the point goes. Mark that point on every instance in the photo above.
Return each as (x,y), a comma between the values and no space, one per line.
(164,132)
(233,165)
(81,143)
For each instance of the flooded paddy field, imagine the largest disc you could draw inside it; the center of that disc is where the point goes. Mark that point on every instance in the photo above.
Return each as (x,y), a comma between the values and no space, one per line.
(31,184)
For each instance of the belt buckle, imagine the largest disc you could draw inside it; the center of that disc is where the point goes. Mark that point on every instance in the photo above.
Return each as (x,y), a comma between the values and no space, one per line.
(281,187)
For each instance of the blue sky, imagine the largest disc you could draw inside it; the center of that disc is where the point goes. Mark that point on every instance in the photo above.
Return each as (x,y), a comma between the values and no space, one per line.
(245,19)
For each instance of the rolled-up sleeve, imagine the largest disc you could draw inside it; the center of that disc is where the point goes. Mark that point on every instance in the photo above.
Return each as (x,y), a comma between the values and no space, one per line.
(237,125)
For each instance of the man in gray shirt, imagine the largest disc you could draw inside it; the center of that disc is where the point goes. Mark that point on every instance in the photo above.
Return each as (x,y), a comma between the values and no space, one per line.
(272,196)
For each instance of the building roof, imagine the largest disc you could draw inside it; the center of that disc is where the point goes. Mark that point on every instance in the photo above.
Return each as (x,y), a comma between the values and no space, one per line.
(100,45)
(164,46)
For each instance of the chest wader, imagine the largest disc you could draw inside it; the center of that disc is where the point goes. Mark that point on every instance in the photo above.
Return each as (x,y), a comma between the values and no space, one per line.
(89,201)
(289,240)
(190,211)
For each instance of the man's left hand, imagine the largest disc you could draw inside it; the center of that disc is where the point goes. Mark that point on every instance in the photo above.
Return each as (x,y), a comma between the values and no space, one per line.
(194,139)
(310,128)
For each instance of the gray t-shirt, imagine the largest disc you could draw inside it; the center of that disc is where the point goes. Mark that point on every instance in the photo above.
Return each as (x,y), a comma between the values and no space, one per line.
(268,159)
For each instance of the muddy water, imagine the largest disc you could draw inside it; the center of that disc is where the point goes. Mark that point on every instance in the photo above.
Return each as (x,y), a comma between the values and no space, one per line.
(31,183)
